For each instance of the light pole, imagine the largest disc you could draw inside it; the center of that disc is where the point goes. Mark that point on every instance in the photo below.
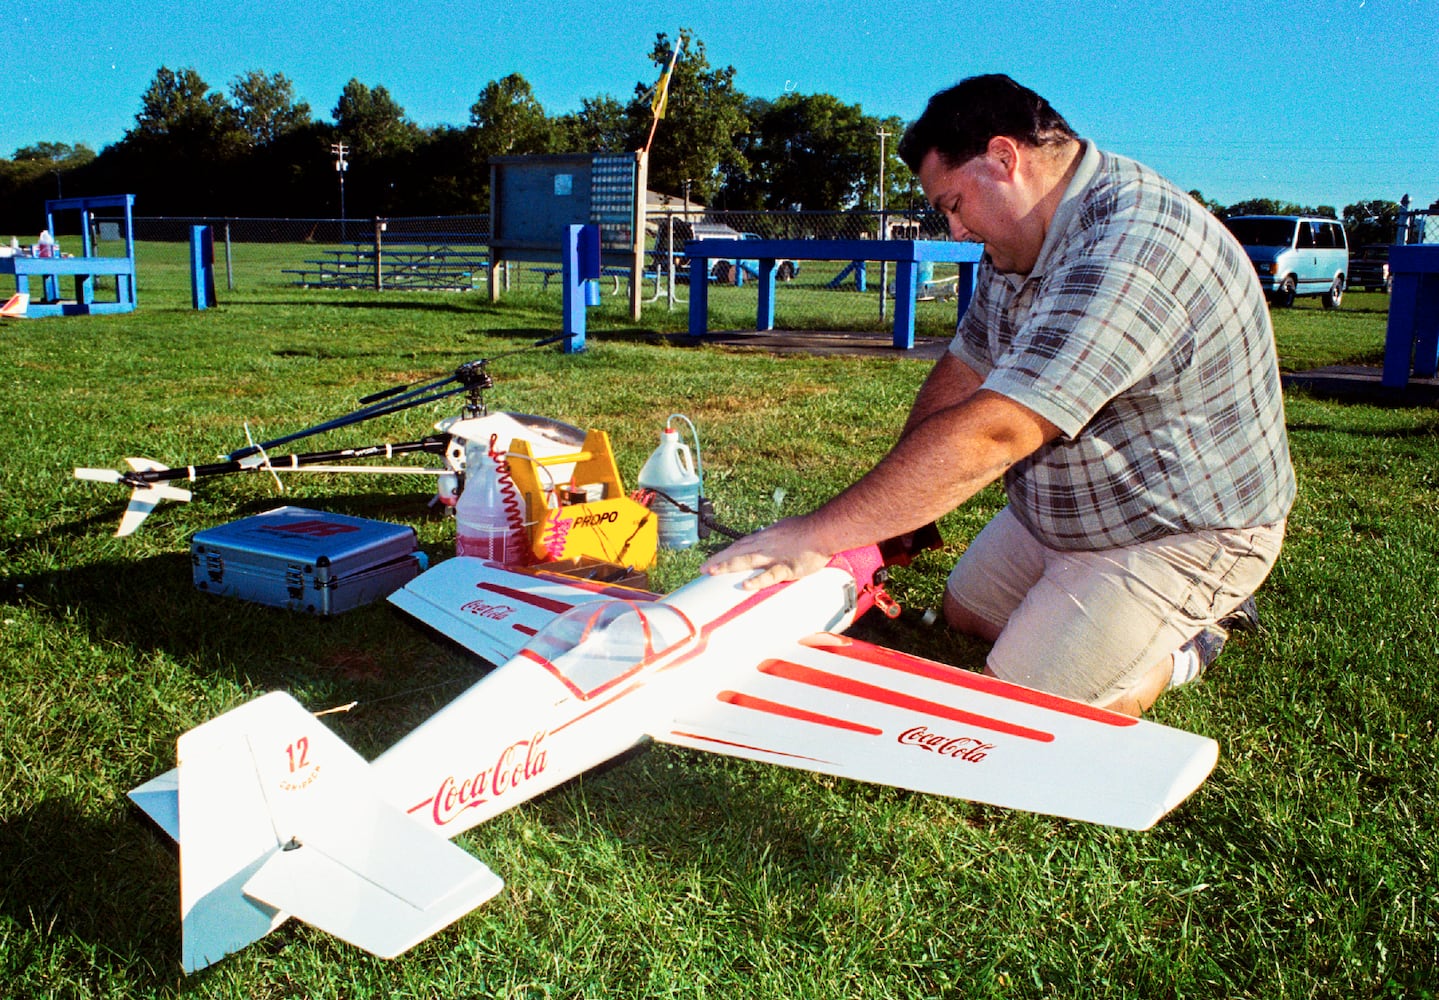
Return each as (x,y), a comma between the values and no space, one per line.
(341,165)
(883,229)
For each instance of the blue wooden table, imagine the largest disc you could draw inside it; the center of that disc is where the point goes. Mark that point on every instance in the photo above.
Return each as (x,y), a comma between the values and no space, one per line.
(1411,340)
(84,268)
(906,255)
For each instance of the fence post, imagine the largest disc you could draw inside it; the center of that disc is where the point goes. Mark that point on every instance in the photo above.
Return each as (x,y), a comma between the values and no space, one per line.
(229,260)
(379,247)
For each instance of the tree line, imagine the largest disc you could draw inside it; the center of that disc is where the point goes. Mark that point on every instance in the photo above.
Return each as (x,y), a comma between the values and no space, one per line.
(257,150)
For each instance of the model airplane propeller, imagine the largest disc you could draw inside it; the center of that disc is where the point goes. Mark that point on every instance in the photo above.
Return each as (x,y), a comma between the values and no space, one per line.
(275,816)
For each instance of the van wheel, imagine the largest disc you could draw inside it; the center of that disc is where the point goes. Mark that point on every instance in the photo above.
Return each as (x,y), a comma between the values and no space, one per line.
(1284,294)
(1335,295)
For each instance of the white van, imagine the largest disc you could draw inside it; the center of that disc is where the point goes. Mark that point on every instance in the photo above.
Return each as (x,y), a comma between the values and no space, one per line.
(1295,255)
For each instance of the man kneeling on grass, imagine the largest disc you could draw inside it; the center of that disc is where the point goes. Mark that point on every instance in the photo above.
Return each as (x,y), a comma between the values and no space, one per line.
(1117,368)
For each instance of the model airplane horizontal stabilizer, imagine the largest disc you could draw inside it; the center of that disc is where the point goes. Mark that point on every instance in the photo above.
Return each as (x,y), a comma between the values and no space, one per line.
(143,499)
(277,817)
(16,306)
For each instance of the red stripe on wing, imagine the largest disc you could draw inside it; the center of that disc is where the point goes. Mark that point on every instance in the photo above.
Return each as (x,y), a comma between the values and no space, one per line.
(895,660)
(745,746)
(524,597)
(802,674)
(790,712)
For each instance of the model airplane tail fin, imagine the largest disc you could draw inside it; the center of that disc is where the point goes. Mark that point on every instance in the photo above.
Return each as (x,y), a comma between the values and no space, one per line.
(143,499)
(277,818)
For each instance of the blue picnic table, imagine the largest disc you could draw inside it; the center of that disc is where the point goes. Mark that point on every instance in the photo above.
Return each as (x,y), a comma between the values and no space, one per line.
(906,255)
(84,268)
(1411,340)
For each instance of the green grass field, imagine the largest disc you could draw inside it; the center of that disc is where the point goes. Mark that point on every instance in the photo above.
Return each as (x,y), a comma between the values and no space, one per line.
(1305,867)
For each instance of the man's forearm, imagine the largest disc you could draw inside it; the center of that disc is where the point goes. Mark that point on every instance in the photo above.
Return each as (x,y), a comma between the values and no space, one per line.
(948,456)
(949,383)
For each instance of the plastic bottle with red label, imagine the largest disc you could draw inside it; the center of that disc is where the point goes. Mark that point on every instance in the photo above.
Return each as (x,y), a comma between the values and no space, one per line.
(482,524)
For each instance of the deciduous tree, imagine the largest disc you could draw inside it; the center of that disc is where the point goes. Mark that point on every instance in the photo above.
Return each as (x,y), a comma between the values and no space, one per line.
(1372,221)
(508,120)
(265,106)
(602,125)
(705,114)
(180,111)
(372,122)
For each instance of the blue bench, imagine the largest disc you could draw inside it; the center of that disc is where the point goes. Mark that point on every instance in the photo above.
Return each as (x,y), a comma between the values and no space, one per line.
(905,254)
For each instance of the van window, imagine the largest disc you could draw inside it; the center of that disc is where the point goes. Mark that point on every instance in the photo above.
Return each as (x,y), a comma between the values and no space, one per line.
(1262,232)
(1325,236)
(1306,236)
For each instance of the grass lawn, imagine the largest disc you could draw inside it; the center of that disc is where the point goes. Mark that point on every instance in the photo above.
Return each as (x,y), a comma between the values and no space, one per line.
(1304,867)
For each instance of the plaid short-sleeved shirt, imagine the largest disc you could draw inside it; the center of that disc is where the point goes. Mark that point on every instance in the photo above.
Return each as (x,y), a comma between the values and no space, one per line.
(1143,335)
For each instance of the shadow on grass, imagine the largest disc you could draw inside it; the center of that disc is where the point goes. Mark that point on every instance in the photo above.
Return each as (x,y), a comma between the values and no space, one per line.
(149,604)
(380,304)
(93,892)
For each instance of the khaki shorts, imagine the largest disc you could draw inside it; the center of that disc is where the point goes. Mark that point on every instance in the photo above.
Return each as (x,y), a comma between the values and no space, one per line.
(1087,625)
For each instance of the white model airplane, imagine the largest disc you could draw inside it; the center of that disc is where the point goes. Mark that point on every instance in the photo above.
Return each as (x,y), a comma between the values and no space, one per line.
(276,816)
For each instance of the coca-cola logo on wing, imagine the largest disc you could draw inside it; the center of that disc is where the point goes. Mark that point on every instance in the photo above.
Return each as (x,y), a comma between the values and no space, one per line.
(966,748)
(497,612)
(516,764)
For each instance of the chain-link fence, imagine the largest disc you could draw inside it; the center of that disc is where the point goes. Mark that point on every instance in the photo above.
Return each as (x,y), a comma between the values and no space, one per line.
(1419,227)
(450,253)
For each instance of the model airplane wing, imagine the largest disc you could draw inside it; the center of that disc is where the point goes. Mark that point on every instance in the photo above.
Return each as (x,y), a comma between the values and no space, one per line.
(493,611)
(849,708)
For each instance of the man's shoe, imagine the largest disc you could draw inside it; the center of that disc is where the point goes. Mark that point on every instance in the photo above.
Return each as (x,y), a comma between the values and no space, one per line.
(1195,656)
(1244,618)
(1207,645)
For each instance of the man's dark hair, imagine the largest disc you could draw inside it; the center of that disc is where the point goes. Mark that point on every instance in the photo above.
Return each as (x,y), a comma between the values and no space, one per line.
(959,122)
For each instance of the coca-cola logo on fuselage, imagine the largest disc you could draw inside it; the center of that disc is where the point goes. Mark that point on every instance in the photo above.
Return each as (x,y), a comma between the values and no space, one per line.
(515,765)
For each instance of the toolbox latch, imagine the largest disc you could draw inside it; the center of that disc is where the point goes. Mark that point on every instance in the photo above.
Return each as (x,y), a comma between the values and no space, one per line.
(294,581)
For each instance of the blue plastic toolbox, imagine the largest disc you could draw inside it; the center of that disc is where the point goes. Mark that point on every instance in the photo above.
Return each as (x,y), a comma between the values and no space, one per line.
(306,560)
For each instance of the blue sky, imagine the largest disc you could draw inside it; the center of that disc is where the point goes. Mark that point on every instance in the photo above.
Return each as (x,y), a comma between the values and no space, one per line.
(1320,101)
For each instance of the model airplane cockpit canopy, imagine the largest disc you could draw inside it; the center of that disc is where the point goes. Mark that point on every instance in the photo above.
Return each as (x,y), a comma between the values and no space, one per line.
(592,646)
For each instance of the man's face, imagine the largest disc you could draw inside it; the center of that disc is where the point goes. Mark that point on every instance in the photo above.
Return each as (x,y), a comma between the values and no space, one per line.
(977,199)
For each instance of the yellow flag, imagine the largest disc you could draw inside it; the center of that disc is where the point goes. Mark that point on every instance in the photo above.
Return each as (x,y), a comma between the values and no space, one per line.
(662,89)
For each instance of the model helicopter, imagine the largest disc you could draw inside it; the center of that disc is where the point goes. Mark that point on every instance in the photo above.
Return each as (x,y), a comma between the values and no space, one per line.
(152,482)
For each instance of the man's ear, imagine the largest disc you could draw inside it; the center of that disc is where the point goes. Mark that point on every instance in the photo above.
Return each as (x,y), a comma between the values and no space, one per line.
(1004,151)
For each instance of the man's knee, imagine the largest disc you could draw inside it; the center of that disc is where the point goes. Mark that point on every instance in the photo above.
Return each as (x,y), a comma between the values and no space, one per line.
(961,619)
